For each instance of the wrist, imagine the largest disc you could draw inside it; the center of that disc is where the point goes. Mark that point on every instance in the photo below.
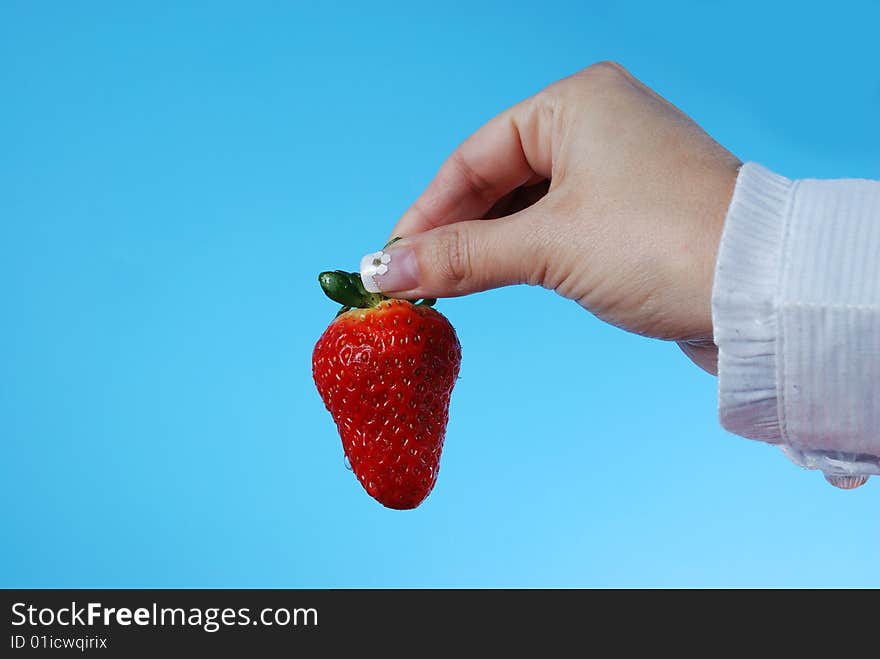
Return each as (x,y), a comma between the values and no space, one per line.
(709,214)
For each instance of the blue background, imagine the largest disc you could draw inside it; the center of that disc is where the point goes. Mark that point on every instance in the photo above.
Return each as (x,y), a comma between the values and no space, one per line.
(174,175)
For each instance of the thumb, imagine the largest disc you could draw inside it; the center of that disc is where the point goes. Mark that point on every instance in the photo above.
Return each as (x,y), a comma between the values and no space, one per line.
(459,258)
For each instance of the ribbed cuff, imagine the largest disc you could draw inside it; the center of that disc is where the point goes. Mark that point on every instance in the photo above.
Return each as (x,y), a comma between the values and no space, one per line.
(796,315)
(744,312)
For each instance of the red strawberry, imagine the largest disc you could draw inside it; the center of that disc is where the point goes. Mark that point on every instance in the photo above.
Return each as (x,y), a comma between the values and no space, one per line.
(385,369)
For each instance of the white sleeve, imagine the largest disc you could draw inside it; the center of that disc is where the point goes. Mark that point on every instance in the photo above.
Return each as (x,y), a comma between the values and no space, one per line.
(796,315)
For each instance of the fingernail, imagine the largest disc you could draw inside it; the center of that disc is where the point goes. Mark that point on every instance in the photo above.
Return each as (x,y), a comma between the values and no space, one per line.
(394,269)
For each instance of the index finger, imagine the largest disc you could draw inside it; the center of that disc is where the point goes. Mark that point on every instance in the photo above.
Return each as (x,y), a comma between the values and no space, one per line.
(511,150)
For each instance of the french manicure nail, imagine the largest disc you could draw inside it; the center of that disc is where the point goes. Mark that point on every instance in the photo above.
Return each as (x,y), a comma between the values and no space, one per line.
(394,269)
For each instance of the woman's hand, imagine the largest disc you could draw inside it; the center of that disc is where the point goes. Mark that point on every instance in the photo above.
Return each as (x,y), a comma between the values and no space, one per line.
(596,188)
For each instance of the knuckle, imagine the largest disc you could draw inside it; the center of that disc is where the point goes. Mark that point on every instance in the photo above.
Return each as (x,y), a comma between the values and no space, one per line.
(540,243)
(453,257)
(596,80)
(476,184)
(545,104)
(609,68)
(605,72)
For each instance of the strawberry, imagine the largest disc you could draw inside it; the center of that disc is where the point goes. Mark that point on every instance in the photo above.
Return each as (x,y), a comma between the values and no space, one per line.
(385,369)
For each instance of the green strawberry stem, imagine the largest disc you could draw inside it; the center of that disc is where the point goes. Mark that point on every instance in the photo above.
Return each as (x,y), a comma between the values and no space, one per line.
(347,289)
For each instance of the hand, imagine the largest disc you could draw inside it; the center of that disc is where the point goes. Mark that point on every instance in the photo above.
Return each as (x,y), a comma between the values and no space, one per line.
(596,188)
